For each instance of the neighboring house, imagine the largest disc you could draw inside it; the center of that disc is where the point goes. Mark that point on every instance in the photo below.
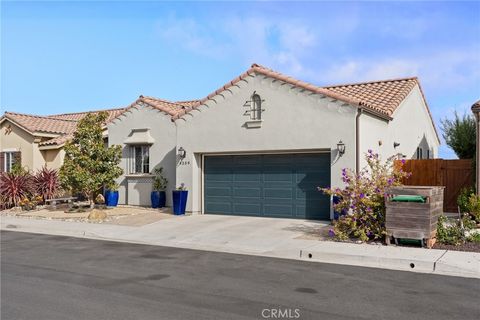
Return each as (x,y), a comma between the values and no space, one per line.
(37,141)
(263,143)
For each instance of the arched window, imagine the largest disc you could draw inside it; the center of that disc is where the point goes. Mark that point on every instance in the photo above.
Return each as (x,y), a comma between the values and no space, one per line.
(256,108)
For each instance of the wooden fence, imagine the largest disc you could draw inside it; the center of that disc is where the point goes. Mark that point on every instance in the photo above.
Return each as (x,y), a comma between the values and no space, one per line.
(452,174)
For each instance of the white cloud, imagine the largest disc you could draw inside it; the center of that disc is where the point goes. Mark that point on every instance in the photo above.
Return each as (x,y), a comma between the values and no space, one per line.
(442,69)
(278,44)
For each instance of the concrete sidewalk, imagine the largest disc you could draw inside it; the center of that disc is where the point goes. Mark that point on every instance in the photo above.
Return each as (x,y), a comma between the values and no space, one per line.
(279,238)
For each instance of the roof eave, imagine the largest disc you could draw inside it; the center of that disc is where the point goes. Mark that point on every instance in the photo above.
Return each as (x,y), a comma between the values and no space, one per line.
(51,146)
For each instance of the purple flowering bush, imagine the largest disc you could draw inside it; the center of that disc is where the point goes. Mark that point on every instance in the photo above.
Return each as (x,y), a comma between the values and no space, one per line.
(362,200)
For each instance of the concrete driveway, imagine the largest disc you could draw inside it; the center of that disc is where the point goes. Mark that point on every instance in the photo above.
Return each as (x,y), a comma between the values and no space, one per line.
(235,234)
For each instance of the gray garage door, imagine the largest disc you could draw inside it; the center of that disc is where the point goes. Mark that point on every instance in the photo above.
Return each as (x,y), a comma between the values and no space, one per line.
(268,185)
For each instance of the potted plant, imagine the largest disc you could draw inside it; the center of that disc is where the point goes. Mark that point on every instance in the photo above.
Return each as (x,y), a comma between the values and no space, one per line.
(111,194)
(179,196)
(158,195)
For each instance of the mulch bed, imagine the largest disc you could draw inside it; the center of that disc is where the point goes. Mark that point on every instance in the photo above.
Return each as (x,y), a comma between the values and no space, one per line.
(468,246)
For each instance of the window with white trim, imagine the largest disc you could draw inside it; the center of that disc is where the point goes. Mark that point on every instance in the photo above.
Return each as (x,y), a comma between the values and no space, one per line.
(9,159)
(256,108)
(139,159)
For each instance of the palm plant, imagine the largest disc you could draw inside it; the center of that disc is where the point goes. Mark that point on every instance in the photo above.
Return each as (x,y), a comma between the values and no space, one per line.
(14,188)
(47,183)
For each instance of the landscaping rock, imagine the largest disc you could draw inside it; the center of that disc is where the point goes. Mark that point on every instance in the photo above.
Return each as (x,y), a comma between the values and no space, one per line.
(96,214)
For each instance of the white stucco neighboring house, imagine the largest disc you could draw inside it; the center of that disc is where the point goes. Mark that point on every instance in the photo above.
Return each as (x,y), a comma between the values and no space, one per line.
(263,143)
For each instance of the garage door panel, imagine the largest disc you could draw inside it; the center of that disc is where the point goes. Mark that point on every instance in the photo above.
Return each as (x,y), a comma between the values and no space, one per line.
(278,193)
(220,191)
(247,192)
(277,175)
(249,175)
(246,160)
(220,176)
(218,207)
(249,209)
(278,210)
(268,185)
(273,160)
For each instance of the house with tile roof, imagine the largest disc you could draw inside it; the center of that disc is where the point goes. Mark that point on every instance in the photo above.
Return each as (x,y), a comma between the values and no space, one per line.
(262,143)
(37,141)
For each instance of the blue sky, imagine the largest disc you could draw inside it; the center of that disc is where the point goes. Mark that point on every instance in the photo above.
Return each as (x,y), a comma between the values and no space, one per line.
(66,56)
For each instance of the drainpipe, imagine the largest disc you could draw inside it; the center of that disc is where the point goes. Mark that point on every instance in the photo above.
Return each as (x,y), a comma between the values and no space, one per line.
(357,140)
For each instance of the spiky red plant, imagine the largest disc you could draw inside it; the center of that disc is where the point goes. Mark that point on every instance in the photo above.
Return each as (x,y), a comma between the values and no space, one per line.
(47,183)
(15,187)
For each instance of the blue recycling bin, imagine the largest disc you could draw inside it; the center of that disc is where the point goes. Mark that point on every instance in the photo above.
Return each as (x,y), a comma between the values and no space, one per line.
(179,201)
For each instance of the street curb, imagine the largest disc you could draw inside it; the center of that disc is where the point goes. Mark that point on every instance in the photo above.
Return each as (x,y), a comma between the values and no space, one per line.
(441,262)
(413,265)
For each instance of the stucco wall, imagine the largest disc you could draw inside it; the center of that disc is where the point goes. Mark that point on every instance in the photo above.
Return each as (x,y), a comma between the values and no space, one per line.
(411,127)
(134,189)
(18,140)
(53,158)
(293,120)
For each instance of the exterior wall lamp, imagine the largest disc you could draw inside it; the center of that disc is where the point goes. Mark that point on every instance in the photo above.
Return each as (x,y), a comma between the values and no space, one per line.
(341,148)
(182,153)
(396,144)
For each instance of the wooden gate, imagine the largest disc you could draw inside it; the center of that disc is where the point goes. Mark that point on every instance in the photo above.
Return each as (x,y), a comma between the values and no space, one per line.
(452,174)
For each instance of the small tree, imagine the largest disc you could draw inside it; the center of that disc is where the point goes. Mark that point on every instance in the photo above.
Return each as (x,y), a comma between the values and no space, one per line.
(88,163)
(460,135)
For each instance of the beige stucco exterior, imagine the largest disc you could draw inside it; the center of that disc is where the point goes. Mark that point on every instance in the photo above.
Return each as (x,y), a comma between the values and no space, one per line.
(15,138)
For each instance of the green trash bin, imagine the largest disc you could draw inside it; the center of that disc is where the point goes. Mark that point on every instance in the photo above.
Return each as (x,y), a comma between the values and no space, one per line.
(408,198)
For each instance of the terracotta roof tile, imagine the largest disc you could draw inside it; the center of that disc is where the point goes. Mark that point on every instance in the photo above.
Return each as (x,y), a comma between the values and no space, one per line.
(63,124)
(41,124)
(172,108)
(382,96)
(77,116)
(60,140)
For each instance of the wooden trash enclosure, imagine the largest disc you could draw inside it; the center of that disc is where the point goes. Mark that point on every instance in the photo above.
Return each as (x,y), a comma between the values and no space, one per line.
(414,220)
(454,175)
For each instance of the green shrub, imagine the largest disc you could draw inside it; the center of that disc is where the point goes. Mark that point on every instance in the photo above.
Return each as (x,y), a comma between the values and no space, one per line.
(449,233)
(475,237)
(473,207)
(463,199)
(453,231)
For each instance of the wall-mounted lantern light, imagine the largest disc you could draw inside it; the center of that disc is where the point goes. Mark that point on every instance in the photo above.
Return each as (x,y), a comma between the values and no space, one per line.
(341,148)
(182,153)
(396,144)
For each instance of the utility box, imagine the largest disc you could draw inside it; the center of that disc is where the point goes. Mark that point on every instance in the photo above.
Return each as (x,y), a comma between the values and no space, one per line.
(412,212)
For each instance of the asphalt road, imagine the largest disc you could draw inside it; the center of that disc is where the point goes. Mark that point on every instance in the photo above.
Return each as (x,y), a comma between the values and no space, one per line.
(53,277)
